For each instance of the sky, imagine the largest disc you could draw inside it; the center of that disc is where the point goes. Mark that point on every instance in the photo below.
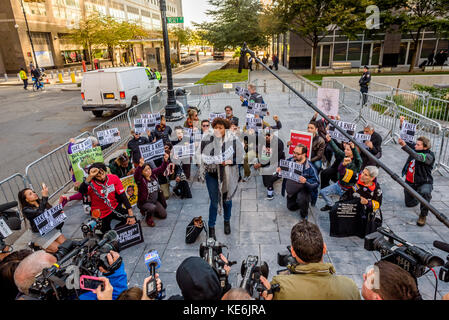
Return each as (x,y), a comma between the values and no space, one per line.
(195,10)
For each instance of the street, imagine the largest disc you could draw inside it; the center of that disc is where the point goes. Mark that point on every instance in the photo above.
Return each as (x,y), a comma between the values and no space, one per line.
(34,123)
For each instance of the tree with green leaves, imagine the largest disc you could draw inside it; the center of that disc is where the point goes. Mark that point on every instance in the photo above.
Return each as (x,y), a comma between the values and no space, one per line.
(184,37)
(313,20)
(234,22)
(412,17)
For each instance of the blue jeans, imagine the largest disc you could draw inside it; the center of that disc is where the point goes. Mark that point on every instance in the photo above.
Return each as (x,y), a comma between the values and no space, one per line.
(212,188)
(333,189)
(318,164)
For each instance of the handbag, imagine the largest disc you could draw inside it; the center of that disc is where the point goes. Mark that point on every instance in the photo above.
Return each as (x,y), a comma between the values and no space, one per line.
(194,229)
(346,219)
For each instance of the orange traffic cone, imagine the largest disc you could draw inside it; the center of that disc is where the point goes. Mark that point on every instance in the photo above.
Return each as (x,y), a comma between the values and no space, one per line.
(48,82)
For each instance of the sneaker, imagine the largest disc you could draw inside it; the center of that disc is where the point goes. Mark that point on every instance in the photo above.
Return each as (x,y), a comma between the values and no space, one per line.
(150,222)
(326,208)
(421,221)
(227,227)
(269,197)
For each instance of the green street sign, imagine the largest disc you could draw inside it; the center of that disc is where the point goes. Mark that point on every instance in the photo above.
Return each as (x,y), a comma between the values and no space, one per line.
(175,19)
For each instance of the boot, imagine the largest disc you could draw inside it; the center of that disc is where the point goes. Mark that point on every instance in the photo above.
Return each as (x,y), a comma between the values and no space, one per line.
(212,233)
(421,221)
(227,227)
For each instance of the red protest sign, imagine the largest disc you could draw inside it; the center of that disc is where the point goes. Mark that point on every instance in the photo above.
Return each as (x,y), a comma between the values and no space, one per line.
(305,138)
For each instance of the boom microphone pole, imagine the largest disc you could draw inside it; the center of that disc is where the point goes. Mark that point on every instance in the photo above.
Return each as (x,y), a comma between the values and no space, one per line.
(440,216)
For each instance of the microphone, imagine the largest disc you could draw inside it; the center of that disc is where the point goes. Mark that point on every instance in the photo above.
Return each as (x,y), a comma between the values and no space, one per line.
(152,262)
(441,245)
(109,236)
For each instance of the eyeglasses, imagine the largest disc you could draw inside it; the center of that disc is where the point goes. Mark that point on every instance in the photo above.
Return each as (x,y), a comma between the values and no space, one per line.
(297,153)
(205,125)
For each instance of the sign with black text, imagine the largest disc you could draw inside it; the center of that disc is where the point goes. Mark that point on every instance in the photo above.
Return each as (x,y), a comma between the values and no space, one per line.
(82,146)
(214,115)
(129,235)
(153,150)
(218,159)
(362,138)
(253,123)
(50,219)
(183,151)
(5,231)
(108,136)
(243,92)
(260,109)
(408,131)
(290,170)
(346,126)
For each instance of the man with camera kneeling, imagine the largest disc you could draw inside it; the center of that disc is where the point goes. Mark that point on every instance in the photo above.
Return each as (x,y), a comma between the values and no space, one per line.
(310,278)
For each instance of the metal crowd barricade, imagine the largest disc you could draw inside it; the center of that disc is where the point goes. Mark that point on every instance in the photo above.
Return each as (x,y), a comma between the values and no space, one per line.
(381,90)
(437,109)
(52,169)
(443,157)
(10,187)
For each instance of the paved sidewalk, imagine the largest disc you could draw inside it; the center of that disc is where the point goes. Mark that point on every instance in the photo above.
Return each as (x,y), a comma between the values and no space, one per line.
(261,227)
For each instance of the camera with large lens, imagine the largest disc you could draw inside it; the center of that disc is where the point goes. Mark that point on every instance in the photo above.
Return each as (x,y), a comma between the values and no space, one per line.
(210,251)
(396,250)
(251,273)
(9,220)
(444,270)
(286,258)
(74,259)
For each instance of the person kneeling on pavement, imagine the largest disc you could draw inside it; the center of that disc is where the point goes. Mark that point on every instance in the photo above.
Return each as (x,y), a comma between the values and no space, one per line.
(121,166)
(151,200)
(310,278)
(299,193)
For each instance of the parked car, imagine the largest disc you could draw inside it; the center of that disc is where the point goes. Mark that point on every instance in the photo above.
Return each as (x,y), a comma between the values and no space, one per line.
(218,55)
(116,88)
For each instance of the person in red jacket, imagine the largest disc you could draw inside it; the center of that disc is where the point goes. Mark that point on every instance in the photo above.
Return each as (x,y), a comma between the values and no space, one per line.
(150,201)
(107,194)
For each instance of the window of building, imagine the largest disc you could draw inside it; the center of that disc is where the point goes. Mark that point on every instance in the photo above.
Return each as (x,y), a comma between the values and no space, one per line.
(354,51)
(146,19)
(95,6)
(427,47)
(340,51)
(133,14)
(35,8)
(117,11)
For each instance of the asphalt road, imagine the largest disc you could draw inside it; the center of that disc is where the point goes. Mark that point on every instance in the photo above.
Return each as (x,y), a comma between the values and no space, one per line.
(34,123)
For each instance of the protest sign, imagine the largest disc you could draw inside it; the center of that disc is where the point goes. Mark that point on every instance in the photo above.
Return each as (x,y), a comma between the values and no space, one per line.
(5,231)
(130,187)
(153,150)
(214,115)
(82,146)
(327,101)
(362,138)
(290,170)
(260,109)
(184,151)
(81,160)
(243,92)
(218,159)
(50,219)
(108,136)
(253,123)
(346,126)
(305,138)
(129,235)
(408,131)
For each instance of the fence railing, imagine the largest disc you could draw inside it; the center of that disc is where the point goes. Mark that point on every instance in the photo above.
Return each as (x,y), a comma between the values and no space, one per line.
(10,187)
(437,109)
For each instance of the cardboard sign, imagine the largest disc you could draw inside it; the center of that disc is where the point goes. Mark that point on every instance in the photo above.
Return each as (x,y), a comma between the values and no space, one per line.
(108,136)
(346,126)
(408,131)
(130,186)
(5,231)
(183,151)
(362,138)
(81,160)
(214,115)
(82,146)
(290,170)
(218,159)
(142,125)
(154,117)
(253,123)
(243,92)
(305,138)
(260,109)
(50,219)
(347,210)
(153,150)
(129,235)
(327,101)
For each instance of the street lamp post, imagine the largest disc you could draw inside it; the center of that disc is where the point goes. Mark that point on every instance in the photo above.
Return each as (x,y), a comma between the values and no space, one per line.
(171,106)
(29,34)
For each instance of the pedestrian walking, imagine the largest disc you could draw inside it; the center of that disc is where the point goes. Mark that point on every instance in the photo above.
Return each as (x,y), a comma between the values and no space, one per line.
(364,83)
(275,62)
(23,76)
(250,63)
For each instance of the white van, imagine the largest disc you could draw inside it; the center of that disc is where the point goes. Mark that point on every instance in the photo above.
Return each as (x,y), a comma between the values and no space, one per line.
(116,88)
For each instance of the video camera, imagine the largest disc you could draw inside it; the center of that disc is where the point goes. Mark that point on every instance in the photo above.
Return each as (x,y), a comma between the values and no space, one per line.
(85,258)
(251,272)
(9,220)
(286,258)
(444,270)
(210,251)
(404,254)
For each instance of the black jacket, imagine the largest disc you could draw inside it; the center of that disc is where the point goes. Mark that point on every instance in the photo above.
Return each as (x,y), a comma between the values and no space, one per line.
(162,134)
(424,161)
(32,212)
(280,152)
(365,79)
(376,140)
(134,144)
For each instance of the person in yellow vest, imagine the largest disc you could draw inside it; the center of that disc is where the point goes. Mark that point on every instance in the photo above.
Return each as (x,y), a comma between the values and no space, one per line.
(23,76)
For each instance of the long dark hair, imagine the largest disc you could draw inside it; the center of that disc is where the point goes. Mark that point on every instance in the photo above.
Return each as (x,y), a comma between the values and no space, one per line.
(23,201)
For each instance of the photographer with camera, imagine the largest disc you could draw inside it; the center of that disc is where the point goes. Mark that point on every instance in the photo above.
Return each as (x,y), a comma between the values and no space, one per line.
(388,281)
(107,194)
(310,278)
(199,281)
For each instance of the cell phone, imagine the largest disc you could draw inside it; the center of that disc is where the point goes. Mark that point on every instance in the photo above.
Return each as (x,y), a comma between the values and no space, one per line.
(152,288)
(43,186)
(90,283)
